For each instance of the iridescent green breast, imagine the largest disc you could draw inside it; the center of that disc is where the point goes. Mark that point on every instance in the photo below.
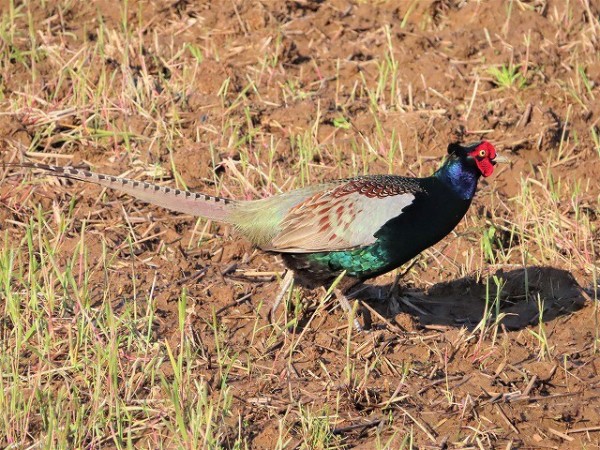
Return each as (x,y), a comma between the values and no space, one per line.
(360,263)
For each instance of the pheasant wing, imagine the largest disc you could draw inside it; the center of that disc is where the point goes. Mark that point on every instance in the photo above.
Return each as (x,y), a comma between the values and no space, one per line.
(344,217)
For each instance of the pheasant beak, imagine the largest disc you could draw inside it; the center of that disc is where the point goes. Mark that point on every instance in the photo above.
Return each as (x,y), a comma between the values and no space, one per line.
(500,159)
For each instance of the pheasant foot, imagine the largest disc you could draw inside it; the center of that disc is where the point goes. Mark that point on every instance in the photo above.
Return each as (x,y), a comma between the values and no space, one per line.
(405,300)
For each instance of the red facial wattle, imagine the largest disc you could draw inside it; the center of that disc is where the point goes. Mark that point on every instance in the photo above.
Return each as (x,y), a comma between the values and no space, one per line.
(484,156)
(486,167)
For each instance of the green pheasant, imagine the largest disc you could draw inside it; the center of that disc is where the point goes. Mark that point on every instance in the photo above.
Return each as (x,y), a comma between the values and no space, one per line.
(364,226)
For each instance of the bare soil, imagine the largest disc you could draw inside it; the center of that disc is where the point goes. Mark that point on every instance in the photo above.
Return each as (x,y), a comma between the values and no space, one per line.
(432,373)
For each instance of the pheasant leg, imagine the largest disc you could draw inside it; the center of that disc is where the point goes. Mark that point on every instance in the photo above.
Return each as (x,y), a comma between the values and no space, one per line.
(345,304)
(286,283)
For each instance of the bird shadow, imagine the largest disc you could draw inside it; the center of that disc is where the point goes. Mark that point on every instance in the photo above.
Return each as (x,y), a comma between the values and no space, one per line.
(515,298)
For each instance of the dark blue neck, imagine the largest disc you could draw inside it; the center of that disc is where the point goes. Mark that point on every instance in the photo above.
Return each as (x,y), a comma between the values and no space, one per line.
(460,177)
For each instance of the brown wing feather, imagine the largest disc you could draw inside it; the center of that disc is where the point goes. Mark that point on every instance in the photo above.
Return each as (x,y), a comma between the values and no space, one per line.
(344,217)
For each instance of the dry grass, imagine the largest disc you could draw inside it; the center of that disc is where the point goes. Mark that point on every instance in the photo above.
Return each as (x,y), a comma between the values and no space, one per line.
(126,326)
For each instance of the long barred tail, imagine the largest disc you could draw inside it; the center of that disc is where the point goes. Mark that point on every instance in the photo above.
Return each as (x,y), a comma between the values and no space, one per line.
(202,205)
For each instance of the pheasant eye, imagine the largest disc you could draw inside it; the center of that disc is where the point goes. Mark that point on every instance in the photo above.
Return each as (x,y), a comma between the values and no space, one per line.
(482,153)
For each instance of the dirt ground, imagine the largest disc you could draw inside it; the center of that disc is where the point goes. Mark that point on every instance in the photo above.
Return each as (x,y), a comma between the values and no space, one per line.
(248,98)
